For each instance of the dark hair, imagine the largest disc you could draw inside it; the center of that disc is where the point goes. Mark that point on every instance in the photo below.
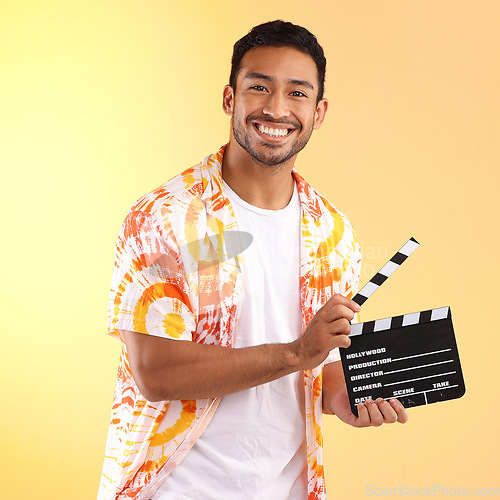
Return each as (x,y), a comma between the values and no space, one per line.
(280,34)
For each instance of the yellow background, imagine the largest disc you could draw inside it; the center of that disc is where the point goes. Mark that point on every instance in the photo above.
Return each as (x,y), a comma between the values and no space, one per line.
(102,101)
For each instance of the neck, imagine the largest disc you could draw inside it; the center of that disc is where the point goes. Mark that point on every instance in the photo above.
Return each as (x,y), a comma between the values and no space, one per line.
(264,186)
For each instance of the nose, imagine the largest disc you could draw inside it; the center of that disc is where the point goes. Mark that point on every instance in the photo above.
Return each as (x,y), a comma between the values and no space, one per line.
(276,106)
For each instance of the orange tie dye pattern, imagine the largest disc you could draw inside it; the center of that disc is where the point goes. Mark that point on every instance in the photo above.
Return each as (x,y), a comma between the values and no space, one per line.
(172,279)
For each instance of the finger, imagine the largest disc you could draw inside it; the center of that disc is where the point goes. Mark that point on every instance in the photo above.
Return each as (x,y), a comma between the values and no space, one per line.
(388,412)
(363,416)
(376,418)
(340,341)
(339,311)
(400,411)
(340,326)
(338,298)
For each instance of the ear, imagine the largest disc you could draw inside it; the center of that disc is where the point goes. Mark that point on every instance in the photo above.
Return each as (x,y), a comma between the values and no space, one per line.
(320,113)
(228,100)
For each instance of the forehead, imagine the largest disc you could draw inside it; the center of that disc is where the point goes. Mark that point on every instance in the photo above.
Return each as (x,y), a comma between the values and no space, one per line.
(281,63)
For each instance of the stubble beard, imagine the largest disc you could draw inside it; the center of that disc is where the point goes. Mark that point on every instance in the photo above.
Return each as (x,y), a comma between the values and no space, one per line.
(269,157)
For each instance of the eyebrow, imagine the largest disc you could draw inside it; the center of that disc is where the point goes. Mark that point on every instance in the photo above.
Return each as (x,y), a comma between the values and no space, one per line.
(293,81)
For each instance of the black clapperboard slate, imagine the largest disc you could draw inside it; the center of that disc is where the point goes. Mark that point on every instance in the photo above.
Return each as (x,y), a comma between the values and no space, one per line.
(412,357)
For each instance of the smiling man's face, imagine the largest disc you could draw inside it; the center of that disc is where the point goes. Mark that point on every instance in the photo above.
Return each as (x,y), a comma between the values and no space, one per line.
(274,110)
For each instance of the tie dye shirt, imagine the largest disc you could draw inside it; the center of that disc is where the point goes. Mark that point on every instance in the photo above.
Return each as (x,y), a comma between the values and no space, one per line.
(174,277)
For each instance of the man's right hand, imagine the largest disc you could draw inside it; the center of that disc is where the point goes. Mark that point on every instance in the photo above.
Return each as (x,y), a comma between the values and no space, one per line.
(328,329)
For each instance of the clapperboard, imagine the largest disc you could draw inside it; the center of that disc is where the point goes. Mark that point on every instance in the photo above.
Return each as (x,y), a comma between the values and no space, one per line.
(412,357)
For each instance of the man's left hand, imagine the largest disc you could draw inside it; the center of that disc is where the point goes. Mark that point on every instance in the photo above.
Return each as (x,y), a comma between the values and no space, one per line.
(371,413)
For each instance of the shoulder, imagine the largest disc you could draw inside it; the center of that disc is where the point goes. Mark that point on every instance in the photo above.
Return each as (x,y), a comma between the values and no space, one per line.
(150,217)
(180,188)
(328,218)
(182,198)
(333,213)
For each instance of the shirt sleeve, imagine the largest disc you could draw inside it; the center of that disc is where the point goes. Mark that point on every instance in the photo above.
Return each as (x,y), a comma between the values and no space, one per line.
(149,293)
(350,284)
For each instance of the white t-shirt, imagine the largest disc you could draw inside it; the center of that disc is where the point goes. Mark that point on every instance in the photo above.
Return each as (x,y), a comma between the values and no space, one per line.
(254,446)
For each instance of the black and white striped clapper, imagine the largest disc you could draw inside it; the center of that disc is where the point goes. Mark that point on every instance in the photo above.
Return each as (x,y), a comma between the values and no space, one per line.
(412,357)
(396,260)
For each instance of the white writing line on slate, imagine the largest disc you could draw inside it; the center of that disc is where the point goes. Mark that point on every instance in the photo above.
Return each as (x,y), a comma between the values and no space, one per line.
(420,366)
(424,354)
(421,378)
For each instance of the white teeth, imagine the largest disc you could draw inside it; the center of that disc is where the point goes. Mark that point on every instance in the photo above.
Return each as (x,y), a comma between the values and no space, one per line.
(273,132)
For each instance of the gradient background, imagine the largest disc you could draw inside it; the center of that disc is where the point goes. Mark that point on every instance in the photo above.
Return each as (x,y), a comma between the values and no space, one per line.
(102,101)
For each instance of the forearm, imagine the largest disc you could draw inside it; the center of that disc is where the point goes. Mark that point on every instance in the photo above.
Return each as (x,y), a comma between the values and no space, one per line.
(333,383)
(166,369)
(188,370)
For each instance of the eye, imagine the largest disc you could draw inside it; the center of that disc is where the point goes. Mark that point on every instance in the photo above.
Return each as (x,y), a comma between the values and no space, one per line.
(260,88)
(298,93)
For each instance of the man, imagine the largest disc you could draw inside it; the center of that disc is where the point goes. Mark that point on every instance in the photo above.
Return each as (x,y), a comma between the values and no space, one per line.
(229,359)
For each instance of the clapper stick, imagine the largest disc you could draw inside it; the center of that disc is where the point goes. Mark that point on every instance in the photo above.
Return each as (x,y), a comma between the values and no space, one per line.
(396,260)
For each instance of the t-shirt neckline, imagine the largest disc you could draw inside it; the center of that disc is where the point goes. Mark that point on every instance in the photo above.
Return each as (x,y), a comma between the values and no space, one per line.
(234,197)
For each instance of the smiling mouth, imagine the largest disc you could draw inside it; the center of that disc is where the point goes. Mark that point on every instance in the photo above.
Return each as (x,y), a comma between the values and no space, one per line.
(272,132)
